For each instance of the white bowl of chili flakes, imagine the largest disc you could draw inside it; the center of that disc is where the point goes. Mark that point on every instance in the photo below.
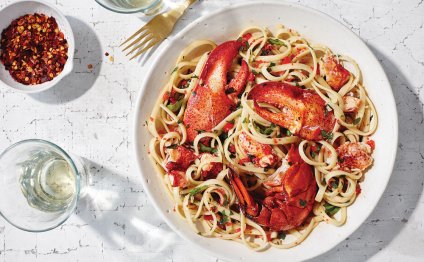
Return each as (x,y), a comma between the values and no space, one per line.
(38,74)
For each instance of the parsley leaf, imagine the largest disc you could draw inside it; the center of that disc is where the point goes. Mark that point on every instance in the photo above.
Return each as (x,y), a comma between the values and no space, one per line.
(326,135)
(357,121)
(207,149)
(276,42)
(174,70)
(289,133)
(267,131)
(224,217)
(302,203)
(175,107)
(271,64)
(194,76)
(196,190)
(282,235)
(330,209)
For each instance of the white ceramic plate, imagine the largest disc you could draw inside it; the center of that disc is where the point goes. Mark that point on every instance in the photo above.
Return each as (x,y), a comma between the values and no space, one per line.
(319,28)
(20,8)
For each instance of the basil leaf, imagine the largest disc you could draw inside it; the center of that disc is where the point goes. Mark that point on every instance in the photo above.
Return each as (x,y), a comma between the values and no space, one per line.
(276,42)
(207,149)
(196,190)
(175,107)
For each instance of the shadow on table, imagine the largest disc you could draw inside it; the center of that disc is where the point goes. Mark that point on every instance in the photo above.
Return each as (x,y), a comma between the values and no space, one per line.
(392,212)
(88,51)
(112,205)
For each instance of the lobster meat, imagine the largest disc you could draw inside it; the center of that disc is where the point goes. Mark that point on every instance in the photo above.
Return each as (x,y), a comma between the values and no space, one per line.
(262,155)
(335,74)
(303,112)
(288,197)
(214,96)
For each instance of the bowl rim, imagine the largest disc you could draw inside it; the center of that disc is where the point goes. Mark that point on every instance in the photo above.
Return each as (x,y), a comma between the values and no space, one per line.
(69,65)
(138,148)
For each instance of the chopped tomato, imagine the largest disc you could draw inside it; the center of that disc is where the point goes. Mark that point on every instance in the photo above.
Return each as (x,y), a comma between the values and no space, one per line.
(232,148)
(244,160)
(166,96)
(371,143)
(227,127)
(208,217)
(358,189)
(287,59)
(246,36)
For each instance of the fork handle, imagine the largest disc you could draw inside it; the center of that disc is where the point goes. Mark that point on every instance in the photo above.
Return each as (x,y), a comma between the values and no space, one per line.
(181,8)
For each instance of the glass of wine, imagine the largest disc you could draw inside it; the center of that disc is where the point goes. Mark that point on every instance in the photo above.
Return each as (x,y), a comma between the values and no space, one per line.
(39,184)
(148,7)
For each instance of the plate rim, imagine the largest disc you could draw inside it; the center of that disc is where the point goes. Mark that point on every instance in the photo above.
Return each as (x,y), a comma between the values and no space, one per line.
(137,125)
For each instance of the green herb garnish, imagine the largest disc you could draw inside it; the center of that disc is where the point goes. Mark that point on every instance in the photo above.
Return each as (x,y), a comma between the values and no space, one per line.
(357,121)
(175,107)
(326,135)
(175,69)
(331,210)
(282,235)
(288,133)
(276,42)
(302,203)
(224,218)
(267,131)
(196,190)
(194,76)
(207,149)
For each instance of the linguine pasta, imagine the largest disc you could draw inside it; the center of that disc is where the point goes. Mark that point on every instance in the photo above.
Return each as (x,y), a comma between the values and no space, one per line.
(210,205)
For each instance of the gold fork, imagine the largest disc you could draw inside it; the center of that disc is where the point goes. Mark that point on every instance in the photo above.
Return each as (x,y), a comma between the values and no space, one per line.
(156,30)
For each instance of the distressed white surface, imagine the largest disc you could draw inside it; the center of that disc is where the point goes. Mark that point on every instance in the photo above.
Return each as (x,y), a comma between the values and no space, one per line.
(90,114)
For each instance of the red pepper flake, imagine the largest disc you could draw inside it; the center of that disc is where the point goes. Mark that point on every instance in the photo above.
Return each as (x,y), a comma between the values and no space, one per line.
(33,49)
(90,66)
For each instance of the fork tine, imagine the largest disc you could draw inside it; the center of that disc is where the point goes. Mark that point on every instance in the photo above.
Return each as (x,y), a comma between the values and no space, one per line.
(145,41)
(143,35)
(152,43)
(135,34)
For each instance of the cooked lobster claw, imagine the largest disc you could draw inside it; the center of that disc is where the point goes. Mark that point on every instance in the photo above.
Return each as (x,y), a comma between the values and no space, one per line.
(287,201)
(212,98)
(303,112)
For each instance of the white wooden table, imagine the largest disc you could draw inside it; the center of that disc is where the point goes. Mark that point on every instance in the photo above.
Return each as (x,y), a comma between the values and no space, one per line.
(90,113)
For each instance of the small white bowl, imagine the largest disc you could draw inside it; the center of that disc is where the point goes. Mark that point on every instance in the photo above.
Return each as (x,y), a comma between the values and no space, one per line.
(18,9)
